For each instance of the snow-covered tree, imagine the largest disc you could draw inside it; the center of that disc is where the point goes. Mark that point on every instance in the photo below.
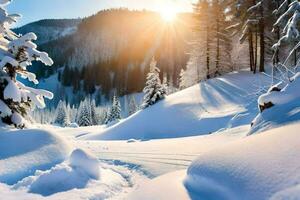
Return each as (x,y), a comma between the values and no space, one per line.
(84,116)
(94,114)
(289,20)
(17,53)
(154,90)
(115,111)
(132,105)
(62,115)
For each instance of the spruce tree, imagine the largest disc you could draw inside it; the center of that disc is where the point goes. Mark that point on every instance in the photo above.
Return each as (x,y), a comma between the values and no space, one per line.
(289,20)
(84,116)
(115,111)
(17,53)
(132,107)
(94,113)
(62,116)
(154,90)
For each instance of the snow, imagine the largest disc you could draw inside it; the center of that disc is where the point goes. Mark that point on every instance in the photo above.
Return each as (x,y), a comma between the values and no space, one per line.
(241,170)
(201,109)
(286,95)
(285,110)
(80,159)
(190,148)
(24,151)
(13,92)
(4,109)
(256,167)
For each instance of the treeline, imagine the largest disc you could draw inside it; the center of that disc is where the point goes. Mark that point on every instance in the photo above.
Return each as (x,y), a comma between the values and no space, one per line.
(261,25)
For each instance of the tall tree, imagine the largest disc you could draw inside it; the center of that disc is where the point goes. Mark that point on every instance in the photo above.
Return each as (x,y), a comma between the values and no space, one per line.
(115,111)
(291,35)
(154,90)
(62,116)
(16,53)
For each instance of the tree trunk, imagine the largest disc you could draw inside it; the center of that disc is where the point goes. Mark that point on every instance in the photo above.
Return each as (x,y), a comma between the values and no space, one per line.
(218,50)
(262,40)
(255,49)
(250,41)
(207,53)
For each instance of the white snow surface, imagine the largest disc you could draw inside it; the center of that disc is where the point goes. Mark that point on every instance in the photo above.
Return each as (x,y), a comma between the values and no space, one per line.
(260,167)
(223,102)
(24,151)
(286,107)
(81,160)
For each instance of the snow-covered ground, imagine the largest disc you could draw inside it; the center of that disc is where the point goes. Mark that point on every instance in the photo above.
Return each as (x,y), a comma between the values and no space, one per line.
(263,166)
(192,145)
(223,102)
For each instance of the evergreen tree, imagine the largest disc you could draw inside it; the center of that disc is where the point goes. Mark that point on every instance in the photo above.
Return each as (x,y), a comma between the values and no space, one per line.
(289,20)
(222,38)
(132,107)
(94,114)
(154,91)
(202,52)
(84,116)
(16,53)
(115,111)
(62,116)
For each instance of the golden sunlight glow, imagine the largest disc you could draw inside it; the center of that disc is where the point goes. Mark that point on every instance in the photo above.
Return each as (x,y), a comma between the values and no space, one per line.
(168,13)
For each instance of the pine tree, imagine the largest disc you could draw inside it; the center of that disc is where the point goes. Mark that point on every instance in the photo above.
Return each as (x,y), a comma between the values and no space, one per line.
(222,38)
(202,52)
(289,20)
(94,114)
(84,116)
(16,53)
(62,116)
(115,111)
(154,91)
(132,107)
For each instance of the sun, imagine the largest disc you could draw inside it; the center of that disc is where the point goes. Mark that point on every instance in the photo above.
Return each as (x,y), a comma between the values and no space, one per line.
(168,13)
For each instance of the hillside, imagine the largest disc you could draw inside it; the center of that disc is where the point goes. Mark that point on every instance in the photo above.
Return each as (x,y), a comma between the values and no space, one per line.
(219,103)
(50,29)
(107,54)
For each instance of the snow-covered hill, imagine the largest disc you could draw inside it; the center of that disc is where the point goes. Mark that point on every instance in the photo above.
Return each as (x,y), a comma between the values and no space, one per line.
(50,29)
(219,103)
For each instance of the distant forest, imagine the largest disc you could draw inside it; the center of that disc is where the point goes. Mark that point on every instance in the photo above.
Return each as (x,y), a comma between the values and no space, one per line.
(112,51)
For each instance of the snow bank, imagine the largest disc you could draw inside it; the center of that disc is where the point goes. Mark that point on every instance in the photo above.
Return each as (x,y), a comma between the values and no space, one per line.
(201,109)
(81,160)
(257,167)
(285,106)
(76,173)
(22,152)
(284,95)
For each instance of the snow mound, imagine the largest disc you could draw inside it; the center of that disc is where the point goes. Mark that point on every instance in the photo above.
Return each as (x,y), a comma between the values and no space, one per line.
(281,105)
(81,160)
(66,176)
(256,167)
(202,109)
(22,152)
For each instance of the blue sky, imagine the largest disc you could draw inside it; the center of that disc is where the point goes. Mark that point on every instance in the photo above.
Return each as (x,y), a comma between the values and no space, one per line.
(33,10)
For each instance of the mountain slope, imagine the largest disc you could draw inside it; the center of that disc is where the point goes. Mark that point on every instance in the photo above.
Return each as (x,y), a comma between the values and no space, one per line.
(50,29)
(223,102)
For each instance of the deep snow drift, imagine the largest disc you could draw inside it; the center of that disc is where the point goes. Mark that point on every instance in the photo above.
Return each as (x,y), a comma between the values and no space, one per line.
(24,151)
(257,167)
(223,102)
(285,109)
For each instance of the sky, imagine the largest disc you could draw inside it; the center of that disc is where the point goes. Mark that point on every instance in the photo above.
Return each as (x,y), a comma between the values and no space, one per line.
(33,10)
